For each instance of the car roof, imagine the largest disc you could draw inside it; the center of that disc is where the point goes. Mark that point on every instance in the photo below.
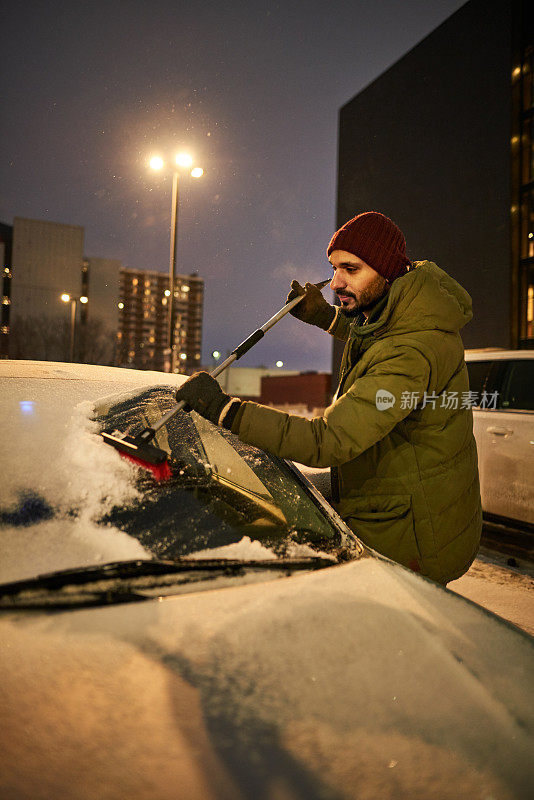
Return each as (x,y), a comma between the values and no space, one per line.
(84,372)
(497,354)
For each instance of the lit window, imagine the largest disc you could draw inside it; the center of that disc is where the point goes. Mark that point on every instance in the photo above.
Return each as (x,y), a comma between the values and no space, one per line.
(134,281)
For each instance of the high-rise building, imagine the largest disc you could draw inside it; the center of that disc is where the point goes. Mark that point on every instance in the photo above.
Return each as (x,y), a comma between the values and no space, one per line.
(143,337)
(40,262)
(47,261)
(443,143)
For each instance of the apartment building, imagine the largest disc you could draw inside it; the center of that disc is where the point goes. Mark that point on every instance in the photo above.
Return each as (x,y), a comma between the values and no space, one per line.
(143,335)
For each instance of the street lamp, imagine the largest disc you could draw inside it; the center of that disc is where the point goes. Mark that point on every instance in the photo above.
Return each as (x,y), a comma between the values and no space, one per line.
(185,161)
(67,298)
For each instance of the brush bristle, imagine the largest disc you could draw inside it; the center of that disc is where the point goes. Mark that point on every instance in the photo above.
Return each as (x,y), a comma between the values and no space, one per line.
(161,472)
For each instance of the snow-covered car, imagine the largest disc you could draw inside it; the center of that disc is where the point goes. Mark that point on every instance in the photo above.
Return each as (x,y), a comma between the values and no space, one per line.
(502,386)
(223,634)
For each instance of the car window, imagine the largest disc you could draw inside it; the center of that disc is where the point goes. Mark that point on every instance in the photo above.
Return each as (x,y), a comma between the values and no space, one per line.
(485,380)
(221,490)
(478,372)
(517,390)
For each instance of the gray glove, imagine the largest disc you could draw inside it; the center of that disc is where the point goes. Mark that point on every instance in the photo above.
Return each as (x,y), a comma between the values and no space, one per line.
(202,394)
(313,309)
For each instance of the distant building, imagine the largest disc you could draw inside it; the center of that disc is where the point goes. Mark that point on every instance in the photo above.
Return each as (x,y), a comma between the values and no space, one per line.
(47,260)
(143,320)
(311,390)
(6,246)
(40,262)
(100,316)
(246,382)
(443,143)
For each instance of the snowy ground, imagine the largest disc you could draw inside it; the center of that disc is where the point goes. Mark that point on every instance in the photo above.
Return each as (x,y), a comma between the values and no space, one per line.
(504,591)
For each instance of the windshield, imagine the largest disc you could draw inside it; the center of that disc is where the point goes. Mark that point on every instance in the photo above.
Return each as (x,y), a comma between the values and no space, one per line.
(222,493)
(70,501)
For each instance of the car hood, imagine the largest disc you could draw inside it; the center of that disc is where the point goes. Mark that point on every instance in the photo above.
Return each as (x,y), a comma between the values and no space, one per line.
(361,680)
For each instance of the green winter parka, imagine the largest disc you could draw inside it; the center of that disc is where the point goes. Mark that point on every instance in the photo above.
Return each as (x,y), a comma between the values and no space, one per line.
(400,431)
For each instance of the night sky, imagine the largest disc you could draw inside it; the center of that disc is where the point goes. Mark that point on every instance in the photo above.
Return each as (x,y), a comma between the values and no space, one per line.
(90,90)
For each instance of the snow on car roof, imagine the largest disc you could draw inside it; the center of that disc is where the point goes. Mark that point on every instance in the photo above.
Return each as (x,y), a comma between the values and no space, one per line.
(495,354)
(53,460)
(86,372)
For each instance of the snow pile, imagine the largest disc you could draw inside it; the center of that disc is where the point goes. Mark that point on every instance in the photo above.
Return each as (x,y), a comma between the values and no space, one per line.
(58,476)
(246,549)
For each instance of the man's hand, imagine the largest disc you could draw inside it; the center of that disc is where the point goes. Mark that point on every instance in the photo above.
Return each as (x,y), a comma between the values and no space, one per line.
(202,394)
(313,309)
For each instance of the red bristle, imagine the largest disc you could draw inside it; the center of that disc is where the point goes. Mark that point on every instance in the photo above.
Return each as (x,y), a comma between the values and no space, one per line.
(161,472)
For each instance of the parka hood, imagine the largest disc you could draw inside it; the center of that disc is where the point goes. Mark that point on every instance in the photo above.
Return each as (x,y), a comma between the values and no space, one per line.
(426,298)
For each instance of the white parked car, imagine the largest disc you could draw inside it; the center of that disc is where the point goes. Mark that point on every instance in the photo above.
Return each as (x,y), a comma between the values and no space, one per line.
(223,634)
(503,385)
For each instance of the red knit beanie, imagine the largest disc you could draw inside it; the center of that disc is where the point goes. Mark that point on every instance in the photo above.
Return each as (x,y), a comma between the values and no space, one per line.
(376,240)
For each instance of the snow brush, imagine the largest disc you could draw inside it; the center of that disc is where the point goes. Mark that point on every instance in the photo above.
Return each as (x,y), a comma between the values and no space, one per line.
(141,451)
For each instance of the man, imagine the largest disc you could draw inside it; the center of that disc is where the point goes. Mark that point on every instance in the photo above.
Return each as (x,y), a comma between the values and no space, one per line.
(399,434)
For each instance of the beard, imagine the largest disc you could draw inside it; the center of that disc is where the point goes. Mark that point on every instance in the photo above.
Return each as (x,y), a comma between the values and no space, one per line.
(368,297)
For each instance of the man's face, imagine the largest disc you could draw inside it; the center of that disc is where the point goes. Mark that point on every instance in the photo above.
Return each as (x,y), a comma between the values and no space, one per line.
(357,285)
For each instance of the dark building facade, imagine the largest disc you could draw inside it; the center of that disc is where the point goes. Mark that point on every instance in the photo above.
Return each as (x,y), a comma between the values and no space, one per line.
(442,143)
(6,247)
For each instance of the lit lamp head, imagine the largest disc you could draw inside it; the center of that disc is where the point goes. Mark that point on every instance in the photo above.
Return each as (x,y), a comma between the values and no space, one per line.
(197,172)
(156,163)
(84,299)
(184,160)
(65,297)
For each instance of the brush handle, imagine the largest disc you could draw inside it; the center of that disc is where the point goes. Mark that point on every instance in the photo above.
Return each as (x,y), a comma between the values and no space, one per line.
(239,351)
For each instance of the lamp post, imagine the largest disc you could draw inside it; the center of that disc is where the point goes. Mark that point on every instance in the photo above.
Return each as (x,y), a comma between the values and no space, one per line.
(183,160)
(67,298)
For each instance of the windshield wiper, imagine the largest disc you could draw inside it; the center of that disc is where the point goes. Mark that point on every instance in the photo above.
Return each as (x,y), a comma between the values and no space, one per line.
(125,581)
